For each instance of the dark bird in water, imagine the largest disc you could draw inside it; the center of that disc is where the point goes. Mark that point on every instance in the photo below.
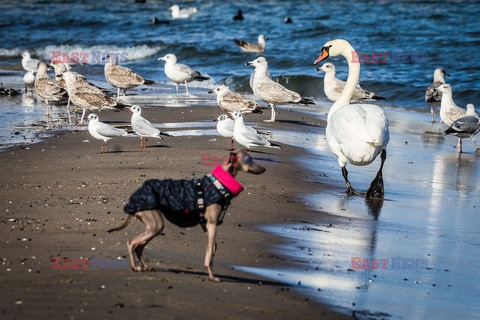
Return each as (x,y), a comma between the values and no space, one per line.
(288,20)
(238,16)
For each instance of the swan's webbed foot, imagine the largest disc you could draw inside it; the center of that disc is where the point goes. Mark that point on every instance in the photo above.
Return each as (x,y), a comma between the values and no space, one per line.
(351,191)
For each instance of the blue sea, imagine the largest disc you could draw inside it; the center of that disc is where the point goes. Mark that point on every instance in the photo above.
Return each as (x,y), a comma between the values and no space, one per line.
(432,210)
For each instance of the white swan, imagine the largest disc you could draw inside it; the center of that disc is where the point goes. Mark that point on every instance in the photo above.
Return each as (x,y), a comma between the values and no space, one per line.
(356,133)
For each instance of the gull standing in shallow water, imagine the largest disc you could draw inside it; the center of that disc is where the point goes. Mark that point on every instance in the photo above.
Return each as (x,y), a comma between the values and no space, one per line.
(103,131)
(225,126)
(29,80)
(180,73)
(247,136)
(333,86)
(270,91)
(466,127)
(122,77)
(230,101)
(252,47)
(356,133)
(432,95)
(143,127)
(28,63)
(47,88)
(88,96)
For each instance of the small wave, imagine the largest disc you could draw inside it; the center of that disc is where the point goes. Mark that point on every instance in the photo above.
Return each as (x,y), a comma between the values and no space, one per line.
(90,54)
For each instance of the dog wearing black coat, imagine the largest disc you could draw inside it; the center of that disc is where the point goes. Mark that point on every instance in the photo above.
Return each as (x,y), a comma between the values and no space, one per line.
(147,205)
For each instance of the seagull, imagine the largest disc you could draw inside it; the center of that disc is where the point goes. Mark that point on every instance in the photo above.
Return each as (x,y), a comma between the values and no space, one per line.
(230,101)
(143,127)
(29,80)
(465,127)
(180,73)
(88,96)
(28,63)
(333,86)
(270,91)
(182,13)
(47,88)
(225,127)
(449,111)
(103,131)
(432,95)
(252,47)
(122,77)
(247,136)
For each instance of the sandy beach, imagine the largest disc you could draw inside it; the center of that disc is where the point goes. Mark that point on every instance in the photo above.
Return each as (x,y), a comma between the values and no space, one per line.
(61,195)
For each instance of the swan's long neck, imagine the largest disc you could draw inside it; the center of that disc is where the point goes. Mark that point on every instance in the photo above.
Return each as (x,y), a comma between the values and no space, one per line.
(350,85)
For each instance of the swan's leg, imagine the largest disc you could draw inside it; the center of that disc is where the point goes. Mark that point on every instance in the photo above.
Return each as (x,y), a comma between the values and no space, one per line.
(272,118)
(376,189)
(350,190)
(459,145)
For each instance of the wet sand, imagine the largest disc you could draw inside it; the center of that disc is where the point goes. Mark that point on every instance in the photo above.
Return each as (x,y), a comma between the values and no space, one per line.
(61,195)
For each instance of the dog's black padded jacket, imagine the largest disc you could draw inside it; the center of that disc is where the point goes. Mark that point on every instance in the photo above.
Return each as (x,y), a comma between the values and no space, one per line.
(177,199)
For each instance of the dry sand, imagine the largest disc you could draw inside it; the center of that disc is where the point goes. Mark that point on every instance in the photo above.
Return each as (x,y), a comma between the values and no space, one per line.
(61,195)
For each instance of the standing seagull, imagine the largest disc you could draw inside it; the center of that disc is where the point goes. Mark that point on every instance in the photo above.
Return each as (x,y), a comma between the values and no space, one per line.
(247,136)
(180,73)
(432,95)
(449,111)
(47,88)
(28,63)
(252,47)
(230,101)
(185,13)
(103,131)
(270,91)
(143,127)
(122,77)
(87,96)
(225,127)
(356,133)
(465,127)
(333,86)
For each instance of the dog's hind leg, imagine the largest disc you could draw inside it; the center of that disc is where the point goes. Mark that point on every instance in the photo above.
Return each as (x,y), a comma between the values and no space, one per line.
(154,225)
(212,213)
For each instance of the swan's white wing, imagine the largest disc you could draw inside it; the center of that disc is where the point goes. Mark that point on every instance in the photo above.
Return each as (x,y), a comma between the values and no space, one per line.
(107,130)
(376,124)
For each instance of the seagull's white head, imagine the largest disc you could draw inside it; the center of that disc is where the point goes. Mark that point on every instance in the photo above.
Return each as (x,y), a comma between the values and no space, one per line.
(259,62)
(438,75)
(237,115)
(221,118)
(327,67)
(92,117)
(171,58)
(220,90)
(26,55)
(175,7)
(136,109)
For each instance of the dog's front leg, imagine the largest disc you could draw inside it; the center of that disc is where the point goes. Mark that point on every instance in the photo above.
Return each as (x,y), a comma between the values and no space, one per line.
(212,213)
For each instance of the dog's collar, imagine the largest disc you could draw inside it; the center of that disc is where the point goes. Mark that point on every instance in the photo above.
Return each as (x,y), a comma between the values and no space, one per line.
(227,180)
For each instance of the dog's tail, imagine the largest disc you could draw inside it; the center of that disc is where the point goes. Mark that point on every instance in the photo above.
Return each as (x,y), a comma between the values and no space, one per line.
(126,223)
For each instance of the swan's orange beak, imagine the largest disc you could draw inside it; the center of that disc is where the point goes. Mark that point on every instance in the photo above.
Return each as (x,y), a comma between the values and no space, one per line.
(323,56)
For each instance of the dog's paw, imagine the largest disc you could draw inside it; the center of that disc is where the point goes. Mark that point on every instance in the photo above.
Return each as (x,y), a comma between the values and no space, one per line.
(215,279)
(137,269)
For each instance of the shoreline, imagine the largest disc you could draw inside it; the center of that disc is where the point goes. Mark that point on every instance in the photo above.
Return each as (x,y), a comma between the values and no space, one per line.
(70,194)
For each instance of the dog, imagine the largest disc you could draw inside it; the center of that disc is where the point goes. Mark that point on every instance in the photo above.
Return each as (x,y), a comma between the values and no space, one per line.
(155,200)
